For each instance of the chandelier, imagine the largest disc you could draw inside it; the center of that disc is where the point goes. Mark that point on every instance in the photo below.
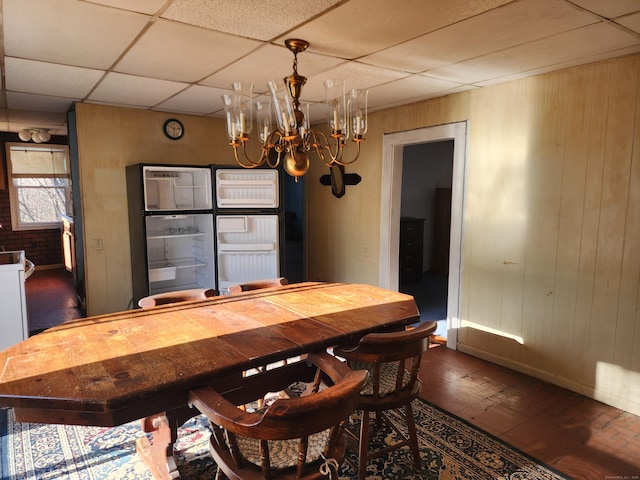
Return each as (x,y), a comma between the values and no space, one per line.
(293,138)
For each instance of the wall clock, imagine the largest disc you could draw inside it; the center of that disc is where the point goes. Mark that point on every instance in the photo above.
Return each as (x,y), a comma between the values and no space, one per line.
(173,129)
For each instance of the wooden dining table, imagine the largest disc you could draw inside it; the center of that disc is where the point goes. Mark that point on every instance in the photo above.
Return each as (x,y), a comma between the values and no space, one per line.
(141,364)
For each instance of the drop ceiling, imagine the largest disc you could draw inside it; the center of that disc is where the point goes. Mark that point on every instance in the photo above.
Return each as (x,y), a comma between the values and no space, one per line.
(182,55)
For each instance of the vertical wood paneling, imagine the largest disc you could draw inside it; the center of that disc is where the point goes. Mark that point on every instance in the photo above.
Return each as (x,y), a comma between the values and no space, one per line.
(611,234)
(577,115)
(551,222)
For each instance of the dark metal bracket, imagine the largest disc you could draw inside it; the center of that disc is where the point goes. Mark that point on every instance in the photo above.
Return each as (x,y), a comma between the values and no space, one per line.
(338,180)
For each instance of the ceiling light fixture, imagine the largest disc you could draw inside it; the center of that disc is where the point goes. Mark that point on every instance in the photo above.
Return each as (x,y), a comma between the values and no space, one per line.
(293,138)
(38,135)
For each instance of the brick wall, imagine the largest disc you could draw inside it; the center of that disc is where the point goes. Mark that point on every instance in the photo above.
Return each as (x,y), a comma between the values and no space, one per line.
(42,247)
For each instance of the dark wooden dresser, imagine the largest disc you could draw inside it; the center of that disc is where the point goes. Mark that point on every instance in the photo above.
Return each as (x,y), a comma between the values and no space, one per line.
(411,249)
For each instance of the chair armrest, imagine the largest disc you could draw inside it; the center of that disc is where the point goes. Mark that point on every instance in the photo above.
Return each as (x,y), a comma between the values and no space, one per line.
(220,411)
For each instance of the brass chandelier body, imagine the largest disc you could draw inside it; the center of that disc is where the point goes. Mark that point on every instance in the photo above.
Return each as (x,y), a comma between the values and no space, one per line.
(292,140)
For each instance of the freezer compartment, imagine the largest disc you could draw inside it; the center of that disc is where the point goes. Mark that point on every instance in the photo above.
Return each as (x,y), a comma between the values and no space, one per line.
(177,188)
(248,248)
(180,252)
(247,188)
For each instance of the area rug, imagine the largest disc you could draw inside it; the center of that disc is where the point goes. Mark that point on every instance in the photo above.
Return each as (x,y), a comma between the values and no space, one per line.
(452,449)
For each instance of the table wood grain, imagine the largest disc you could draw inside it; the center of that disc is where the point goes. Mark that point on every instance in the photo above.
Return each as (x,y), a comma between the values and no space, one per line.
(112,369)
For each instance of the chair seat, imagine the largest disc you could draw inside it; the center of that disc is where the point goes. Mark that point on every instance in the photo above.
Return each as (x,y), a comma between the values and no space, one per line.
(283,453)
(388,373)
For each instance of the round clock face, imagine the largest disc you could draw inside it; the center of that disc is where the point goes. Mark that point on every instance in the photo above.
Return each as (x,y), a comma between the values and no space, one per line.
(173,129)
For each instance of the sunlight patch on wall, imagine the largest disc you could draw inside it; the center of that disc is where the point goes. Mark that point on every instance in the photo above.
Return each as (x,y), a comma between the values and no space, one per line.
(494,331)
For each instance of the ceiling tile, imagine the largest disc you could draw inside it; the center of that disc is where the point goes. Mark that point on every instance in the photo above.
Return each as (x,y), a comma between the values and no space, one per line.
(148,7)
(121,89)
(270,63)
(30,101)
(49,79)
(55,122)
(356,75)
(174,51)
(362,27)
(573,62)
(195,99)
(415,88)
(609,9)
(496,30)
(581,43)
(68,32)
(259,19)
(179,55)
(631,21)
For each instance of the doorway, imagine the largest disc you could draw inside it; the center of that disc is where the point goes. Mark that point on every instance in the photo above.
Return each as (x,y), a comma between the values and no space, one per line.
(425,225)
(391,201)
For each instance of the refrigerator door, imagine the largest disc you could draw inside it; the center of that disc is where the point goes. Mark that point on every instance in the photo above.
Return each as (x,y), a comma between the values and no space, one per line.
(248,248)
(247,189)
(180,253)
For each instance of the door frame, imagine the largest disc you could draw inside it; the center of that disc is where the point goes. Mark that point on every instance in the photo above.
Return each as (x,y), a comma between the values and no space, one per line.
(392,157)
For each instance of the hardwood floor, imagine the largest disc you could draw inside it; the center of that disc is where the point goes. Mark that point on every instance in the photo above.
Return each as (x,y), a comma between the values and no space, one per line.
(580,437)
(51,299)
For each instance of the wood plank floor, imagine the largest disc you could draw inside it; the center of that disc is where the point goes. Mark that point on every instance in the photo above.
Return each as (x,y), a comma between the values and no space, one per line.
(580,437)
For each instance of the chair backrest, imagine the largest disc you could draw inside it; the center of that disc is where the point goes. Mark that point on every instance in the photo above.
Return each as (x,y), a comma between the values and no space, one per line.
(176,297)
(257,285)
(290,420)
(394,354)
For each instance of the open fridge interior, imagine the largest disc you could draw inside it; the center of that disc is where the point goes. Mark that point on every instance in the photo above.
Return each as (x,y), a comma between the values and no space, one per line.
(176,188)
(179,252)
(248,248)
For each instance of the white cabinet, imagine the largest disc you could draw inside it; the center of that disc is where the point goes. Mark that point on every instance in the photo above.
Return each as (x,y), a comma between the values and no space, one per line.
(14,326)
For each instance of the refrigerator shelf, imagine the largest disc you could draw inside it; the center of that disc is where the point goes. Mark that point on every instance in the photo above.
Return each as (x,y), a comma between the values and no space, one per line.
(186,262)
(166,270)
(162,235)
(161,271)
(255,202)
(245,182)
(246,247)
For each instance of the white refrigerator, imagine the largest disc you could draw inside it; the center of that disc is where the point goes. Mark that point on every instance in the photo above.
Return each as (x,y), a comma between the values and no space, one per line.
(248,225)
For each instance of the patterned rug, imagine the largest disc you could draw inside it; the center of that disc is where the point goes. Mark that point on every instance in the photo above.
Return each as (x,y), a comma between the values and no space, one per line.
(451,449)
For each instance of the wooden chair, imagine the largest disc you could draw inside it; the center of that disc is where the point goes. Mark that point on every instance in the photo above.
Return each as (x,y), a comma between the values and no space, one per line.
(175,297)
(288,438)
(393,360)
(257,285)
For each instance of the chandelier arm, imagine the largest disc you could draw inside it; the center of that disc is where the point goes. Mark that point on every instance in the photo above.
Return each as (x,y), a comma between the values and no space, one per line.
(272,143)
(321,142)
(251,163)
(343,163)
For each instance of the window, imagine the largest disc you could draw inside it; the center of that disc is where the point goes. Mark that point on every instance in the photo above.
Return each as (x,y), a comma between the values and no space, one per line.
(39,185)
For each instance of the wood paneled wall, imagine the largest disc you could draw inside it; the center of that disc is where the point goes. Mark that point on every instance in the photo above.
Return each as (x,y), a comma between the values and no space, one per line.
(551,257)
(551,234)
